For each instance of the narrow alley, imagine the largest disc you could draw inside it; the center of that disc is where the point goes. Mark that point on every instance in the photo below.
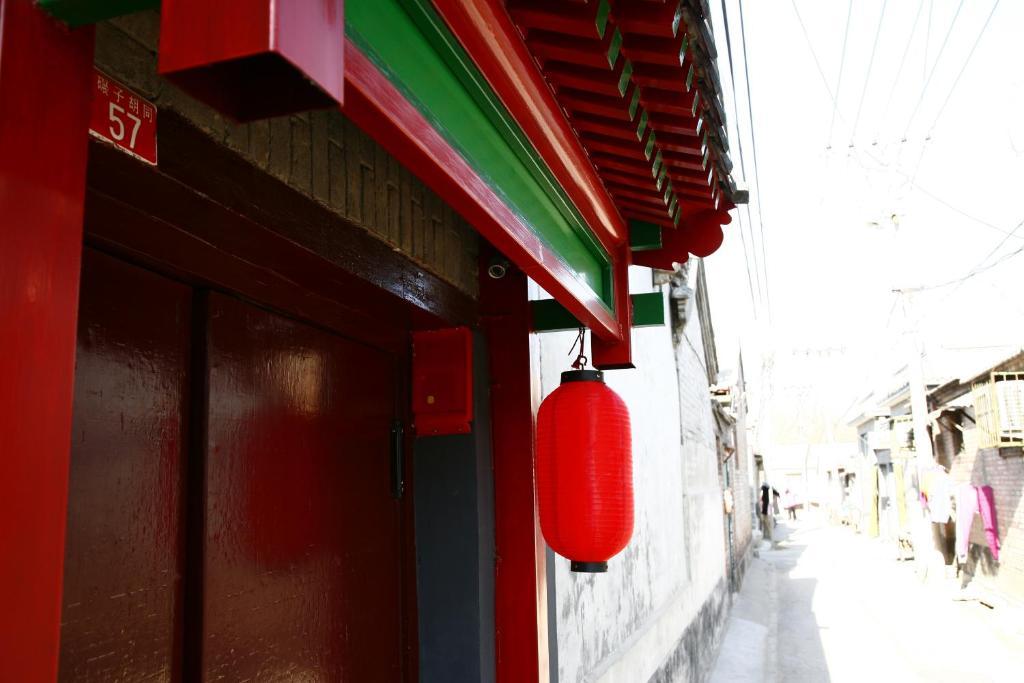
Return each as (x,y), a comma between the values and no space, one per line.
(824,604)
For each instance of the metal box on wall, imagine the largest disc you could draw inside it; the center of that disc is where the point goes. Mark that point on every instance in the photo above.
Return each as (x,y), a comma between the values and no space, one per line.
(442,381)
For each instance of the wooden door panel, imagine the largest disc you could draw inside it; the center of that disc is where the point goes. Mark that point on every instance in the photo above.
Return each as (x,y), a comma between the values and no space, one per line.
(302,560)
(122,568)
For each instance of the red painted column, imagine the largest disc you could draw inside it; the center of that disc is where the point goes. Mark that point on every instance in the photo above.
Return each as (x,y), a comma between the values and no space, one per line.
(520,589)
(44,111)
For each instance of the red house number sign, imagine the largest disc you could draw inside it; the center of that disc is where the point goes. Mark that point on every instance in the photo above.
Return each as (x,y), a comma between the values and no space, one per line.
(122,118)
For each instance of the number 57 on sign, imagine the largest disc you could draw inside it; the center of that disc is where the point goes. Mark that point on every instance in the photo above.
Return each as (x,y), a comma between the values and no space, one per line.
(123,118)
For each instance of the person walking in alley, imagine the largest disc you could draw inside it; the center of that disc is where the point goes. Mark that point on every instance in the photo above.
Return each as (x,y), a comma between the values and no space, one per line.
(767,515)
(789,502)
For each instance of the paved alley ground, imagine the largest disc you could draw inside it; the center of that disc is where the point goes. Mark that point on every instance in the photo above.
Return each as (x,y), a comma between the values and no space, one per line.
(825,604)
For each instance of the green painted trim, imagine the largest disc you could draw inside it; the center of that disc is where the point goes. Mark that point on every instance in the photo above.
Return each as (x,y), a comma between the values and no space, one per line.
(657,169)
(644,236)
(648,309)
(634,102)
(614,46)
(601,21)
(649,147)
(641,127)
(683,47)
(550,316)
(696,103)
(689,78)
(677,18)
(81,12)
(625,78)
(413,47)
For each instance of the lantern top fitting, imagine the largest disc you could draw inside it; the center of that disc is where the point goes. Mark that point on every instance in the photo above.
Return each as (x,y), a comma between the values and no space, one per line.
(582,376)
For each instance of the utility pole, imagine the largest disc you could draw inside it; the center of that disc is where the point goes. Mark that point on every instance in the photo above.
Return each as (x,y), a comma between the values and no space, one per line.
(924,458)
(918,392)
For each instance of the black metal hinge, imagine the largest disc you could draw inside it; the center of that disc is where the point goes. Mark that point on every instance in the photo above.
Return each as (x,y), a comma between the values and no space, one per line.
(397,459)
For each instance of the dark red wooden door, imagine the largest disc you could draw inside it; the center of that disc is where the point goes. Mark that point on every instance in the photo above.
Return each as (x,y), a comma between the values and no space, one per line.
(301,559)
(122,568)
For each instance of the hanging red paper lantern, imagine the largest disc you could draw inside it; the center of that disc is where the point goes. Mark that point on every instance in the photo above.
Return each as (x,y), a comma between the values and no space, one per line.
(585,471)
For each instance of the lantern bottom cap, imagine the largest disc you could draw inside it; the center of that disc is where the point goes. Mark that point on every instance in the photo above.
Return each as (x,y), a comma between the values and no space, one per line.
(592,567)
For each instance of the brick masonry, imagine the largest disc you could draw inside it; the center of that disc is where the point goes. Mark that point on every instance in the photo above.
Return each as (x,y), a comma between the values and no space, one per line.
(321,154)
(1003,470)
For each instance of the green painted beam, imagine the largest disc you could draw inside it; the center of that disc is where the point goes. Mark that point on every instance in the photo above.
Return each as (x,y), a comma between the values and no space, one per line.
(81,12)
(644,236)
(411,45)
(550,316)
(648,309)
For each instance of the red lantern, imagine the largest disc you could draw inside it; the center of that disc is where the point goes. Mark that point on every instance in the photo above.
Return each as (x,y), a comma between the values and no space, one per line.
(585,471)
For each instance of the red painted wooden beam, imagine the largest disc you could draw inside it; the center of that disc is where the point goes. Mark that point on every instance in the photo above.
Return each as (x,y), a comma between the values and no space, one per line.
(598,53)
(620,108)
(374,104)
(586,20)
(659,20)
(520,590)
(669,102)
(487,33)
(672,78)
(45,93)
(677,123)
(647,49)
(252,59)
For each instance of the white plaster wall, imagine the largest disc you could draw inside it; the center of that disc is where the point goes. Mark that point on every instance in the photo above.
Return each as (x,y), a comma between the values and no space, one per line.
(620,626)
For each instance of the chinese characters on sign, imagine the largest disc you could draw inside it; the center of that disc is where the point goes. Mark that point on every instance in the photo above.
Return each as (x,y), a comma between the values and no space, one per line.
(123,118)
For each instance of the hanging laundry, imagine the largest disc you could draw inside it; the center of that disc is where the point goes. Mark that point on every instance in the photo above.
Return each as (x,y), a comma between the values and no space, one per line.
(987,507)
(973,500)
(966,507)
(937,491)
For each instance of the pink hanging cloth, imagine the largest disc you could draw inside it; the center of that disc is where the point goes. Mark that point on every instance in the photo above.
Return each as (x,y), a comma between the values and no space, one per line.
(987,507)
(973,500)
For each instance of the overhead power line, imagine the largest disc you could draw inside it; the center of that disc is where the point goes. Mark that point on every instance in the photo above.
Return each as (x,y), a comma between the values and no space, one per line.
(867,76)
(757,177)
(899,71)
(963,68)
(952,89)
(839,81)
(935,66)
(748,254)
(981,264)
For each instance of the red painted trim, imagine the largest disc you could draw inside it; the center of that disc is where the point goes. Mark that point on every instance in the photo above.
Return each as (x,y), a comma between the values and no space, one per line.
(520,587)
(376,106)
(45,88)
(492,40)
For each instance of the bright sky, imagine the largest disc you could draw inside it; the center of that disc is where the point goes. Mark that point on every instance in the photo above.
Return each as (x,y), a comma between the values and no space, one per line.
(902,181)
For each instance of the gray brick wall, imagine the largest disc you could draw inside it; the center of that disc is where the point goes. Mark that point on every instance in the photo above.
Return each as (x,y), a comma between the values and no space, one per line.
(321,154)
(1004,472)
